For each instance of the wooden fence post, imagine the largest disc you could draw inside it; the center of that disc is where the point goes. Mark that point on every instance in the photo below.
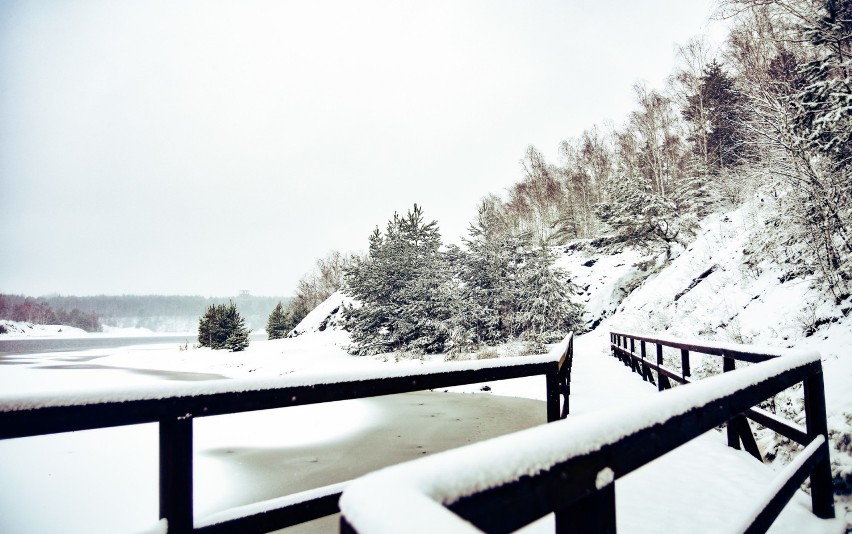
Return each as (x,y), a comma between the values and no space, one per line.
(176,473)
(738,429)
(822,492)
(729,364)
(552,380)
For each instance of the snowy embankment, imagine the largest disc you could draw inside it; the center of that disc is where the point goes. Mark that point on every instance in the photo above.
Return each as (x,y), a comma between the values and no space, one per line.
(16,330)
(23,330)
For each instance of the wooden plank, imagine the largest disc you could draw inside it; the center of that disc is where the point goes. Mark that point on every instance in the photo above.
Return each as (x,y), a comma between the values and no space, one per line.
(729,364)
(776,424)
(593,513)
(727,350)
(792,481)
(743,430)
(54,419)
(278,518)
(552,384)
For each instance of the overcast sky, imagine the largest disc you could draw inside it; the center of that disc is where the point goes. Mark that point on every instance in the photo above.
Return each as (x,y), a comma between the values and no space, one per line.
(205,147)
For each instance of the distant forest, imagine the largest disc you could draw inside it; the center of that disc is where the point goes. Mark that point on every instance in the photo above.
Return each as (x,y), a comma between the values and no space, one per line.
(159,313)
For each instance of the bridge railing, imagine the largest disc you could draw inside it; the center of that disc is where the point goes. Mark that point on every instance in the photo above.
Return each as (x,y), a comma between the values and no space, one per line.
(570,468)
(175,407)
(624,347)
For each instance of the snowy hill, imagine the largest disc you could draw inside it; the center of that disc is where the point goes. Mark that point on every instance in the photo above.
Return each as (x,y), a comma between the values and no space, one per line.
(710,292)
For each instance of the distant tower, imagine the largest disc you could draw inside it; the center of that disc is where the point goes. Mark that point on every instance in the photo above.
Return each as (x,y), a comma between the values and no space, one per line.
(244,292)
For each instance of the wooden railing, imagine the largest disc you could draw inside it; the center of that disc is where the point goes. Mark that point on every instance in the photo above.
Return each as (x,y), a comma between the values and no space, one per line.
(175,408)
(738,430)
(570,468)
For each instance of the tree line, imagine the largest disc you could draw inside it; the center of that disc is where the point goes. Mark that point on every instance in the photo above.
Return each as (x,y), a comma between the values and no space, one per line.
(39,311)
(155,312)
(415,294)
(767,115)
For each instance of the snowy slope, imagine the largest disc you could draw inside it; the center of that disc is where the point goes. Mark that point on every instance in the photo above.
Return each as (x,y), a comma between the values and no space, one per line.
(708,293)
(21,330)
(327,315)
(602,280)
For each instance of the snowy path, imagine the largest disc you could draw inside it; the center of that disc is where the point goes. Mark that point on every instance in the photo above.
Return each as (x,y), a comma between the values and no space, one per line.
(703,486)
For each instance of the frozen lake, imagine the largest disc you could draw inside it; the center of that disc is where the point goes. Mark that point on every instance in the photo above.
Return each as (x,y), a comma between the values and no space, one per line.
(10,347)
(63,481)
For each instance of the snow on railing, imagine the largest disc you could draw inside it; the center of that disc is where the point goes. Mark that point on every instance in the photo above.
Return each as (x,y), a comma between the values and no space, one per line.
(175,407)
(570,467)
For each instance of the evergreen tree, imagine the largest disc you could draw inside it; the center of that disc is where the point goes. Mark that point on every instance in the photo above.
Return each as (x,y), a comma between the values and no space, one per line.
(822,115)
(279,322)
(511,289)
(489,274)
(545,311)
(402,287)
(222,327)
(714,112)
(210,333)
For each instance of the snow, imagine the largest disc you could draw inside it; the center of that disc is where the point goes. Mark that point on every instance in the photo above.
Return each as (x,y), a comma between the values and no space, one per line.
(270,504)
(23,330)
(604,478)
(119,393)
(780,480)
(326,315)
(603,280)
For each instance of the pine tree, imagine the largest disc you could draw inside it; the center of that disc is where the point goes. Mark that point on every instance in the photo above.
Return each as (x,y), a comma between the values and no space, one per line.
(222,327)
(209,333)
(545,311)
(714,112)
(279,323)
(489,275)
(401,287)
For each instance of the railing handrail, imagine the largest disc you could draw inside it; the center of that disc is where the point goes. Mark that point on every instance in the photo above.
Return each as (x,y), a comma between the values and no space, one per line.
(569,467)
(22,416)
(747,353)
(174,408)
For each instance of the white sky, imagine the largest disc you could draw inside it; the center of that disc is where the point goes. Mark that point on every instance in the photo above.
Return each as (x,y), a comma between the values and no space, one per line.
(206,147)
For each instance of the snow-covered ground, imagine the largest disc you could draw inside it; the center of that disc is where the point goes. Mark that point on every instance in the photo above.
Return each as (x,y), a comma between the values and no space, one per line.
(704,293)
(16,330)
(22,330)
